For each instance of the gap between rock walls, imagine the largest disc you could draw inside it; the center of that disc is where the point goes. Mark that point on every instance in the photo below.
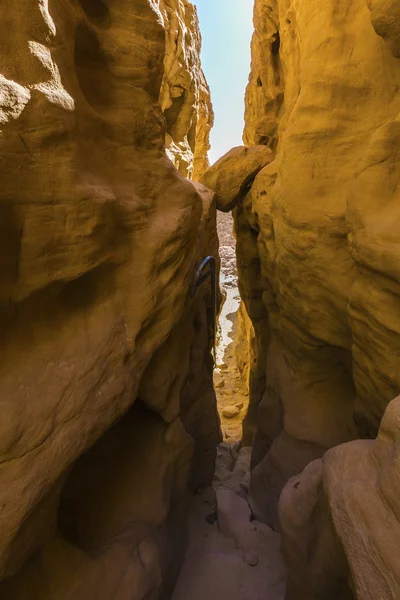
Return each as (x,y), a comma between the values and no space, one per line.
(230,553)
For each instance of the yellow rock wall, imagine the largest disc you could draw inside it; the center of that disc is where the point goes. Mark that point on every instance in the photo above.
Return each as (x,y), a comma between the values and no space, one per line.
(185,95)
(105,365)
(318,243)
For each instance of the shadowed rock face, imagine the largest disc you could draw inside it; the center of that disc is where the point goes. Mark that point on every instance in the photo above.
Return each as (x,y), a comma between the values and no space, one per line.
(385,16)
(99,239)
(343,514)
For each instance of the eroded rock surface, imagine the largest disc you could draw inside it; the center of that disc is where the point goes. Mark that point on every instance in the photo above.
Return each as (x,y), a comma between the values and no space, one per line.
(232,175)
(318,254)
(106,379)
(230,386)
(344,513)
(185,95)
(318,246)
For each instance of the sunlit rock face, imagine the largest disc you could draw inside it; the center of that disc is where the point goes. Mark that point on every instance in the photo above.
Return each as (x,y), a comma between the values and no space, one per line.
(105,383)
(234,173)
(185,95)
(318,234)
(265,92)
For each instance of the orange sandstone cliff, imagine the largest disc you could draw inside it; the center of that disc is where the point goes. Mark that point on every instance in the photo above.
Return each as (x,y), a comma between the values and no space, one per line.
(107,406)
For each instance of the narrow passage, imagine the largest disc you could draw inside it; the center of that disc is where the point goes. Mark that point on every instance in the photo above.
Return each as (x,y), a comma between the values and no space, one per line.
(229,554)
(232,395)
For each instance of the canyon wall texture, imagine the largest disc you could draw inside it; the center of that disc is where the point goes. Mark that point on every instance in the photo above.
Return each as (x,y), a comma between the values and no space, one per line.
(185,95)
(318,251)
(107,410)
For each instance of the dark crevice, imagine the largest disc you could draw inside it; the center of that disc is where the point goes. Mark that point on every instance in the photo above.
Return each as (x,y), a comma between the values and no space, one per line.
(97,11)
(276,44)
(92,67)
(171,114)
(276,60)
(101,495)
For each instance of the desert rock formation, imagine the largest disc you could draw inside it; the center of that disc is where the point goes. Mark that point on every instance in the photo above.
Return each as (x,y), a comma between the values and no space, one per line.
(233,174)
(106,374)
(317,241)
(318,253)
(108,415)
(185,95)
(229,555)
(343,514)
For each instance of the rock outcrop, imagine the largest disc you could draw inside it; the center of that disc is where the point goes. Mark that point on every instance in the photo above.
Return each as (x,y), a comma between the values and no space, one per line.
(106,379)
(340,520)
(232,176)
(318,246)
(185,95)
(265,92)
(318,253)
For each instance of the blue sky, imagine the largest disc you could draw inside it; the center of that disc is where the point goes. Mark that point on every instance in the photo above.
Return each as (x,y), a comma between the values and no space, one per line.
(226,27)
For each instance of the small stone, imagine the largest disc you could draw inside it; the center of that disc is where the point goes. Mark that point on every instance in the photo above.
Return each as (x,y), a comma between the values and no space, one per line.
(229,412)
(220,384)
(239,405)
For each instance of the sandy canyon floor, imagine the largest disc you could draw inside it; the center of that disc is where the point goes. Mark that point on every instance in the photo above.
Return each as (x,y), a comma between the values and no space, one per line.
(229,554)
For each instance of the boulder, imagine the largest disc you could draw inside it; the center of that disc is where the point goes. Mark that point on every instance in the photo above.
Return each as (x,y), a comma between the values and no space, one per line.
(232,175)
(341,520)
(229,412)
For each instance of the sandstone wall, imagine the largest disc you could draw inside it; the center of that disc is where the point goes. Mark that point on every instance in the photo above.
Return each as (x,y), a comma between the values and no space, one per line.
(105,366)
(320,242)
(318,260)
(340,520)
(185,95)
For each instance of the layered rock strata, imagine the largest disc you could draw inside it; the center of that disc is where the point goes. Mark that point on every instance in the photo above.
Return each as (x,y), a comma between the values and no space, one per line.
(106,379)
(185,95)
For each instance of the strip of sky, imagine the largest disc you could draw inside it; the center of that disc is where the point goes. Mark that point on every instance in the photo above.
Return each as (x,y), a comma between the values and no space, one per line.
(226,27)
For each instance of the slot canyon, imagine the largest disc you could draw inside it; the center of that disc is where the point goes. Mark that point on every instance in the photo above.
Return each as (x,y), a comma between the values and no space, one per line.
(200,363)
